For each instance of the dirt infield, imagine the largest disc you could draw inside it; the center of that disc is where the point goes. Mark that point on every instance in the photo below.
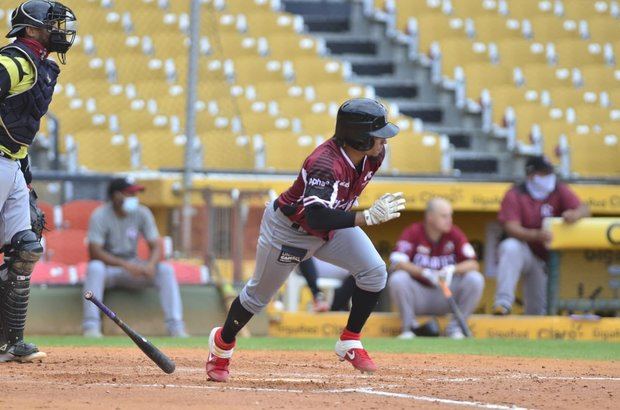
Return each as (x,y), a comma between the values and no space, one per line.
(122,378)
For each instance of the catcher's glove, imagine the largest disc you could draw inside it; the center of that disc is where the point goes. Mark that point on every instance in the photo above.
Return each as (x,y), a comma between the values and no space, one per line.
(37,217)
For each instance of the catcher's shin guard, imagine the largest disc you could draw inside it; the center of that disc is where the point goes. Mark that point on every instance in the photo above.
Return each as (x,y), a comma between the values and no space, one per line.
(19,260)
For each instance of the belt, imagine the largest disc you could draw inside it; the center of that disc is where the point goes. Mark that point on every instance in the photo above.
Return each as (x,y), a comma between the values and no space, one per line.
(294,225)
(7,156)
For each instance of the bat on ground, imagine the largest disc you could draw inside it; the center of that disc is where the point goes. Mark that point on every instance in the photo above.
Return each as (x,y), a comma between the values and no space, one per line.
(458,315)
(153,353)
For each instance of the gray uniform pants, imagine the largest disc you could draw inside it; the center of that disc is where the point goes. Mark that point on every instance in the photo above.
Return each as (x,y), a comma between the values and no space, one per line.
(281,247)
(516,258)
(14,205)
(412,298)
(100,277)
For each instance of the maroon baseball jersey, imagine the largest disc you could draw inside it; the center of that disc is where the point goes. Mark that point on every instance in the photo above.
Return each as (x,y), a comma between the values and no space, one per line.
(452,248)
(519,206)
(327,178)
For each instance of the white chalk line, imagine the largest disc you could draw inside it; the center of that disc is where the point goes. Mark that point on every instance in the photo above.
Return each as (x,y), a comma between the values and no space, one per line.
(526,376)
(359,390)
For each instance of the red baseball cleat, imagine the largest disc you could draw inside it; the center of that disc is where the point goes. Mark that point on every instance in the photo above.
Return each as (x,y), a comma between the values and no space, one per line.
(353,352)
(219,359)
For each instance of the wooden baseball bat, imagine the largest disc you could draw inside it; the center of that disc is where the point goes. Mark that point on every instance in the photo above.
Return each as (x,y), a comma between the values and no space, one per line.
(153,353)
(458,315)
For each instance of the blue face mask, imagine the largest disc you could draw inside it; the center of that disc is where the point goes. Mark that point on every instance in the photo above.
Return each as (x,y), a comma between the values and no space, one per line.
(540,186)
(130,204)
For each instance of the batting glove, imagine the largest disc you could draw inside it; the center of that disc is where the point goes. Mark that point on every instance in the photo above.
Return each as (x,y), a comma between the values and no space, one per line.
(384,209)
(446,274)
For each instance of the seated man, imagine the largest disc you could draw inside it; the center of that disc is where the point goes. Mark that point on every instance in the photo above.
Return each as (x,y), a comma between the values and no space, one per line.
(426,253)
(112,243)
(522,211)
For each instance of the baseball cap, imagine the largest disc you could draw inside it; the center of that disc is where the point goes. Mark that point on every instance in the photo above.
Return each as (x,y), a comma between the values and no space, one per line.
(125,185)
(538,164)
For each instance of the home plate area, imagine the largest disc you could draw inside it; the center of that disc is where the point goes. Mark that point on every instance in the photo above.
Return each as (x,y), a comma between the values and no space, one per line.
(123,378)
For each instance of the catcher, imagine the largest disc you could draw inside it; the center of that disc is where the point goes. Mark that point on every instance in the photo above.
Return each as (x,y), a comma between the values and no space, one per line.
(27,81)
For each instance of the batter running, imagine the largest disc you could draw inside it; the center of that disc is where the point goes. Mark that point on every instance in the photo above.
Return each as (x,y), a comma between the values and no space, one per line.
(314,218)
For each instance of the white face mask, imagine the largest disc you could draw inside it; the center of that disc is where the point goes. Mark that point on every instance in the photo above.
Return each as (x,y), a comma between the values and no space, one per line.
(130,204)
(540,186)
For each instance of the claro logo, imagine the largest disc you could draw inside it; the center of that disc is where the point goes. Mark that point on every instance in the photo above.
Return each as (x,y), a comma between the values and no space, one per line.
(613,233)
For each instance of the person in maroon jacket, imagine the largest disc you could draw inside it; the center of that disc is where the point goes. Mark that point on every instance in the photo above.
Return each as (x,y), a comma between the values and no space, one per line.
(427,252)
(524,253)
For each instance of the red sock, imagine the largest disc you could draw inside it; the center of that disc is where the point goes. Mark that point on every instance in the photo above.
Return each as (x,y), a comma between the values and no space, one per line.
(348,335)
(222,344)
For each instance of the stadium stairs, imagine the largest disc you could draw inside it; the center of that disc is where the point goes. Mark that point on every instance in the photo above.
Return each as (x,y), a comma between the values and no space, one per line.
(381,62)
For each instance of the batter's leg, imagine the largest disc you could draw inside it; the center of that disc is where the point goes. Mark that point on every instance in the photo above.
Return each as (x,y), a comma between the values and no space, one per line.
(352,250)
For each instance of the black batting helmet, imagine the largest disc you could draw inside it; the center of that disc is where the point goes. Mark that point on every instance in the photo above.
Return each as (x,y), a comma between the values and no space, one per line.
(360,121)
(50,15)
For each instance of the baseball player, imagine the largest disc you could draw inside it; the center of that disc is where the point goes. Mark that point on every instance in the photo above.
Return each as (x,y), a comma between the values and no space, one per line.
(426,253)
(314,218)
(27,80)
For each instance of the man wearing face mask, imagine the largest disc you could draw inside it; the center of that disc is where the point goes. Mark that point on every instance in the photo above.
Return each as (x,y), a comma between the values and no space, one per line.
(112,243)
(524,253)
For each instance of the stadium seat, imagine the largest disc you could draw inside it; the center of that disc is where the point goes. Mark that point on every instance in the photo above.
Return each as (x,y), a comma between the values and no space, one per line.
(542,76)
(528,114)
(473,8)
(76,214)
(283,46)
(188,273)
(67,246)
(580,9)
(515,52)
(117,150)
(603,28)
(313,70)
(505,96)
(551,131)
(550,28)
(495,28)
(481,76)
(318,124)
(571,53)
(284,151)
(53,273)
(339,92)
(594,155)
(520,9)
(250,70)
(564,97)
(456,52)
(226,151)
(412,153)
(435,27)
(163,149)
(599,77)
(268,23)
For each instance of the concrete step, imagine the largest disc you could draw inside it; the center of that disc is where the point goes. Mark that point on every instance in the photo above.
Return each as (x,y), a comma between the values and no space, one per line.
(323,16)
(350,46)
(427,112)
(473,162)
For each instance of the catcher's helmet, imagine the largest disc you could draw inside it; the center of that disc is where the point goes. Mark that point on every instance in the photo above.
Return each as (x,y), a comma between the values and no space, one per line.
(360,121)
(50,15)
